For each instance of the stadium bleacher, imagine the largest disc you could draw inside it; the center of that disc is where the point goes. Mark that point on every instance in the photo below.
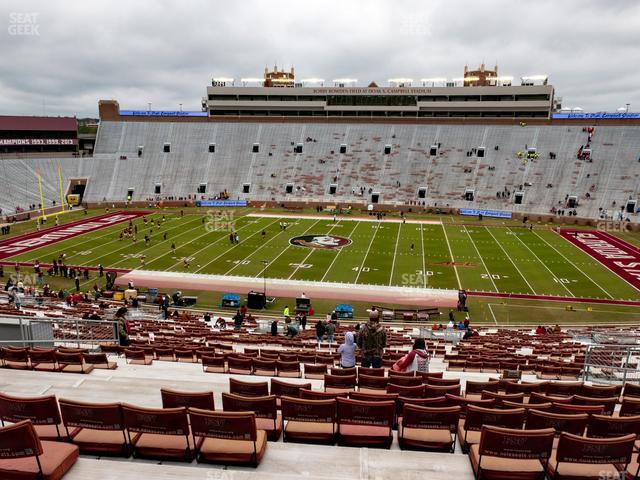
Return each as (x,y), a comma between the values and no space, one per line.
(611,174)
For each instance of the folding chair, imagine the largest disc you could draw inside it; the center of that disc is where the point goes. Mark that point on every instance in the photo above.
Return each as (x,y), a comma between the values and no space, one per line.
(176,399)
(42,411)
(365,424)
(309,421)
(97,429)
(229,438)
(265,409)
(159,434)
(504,453)
(248,389)
(586,458)
(25,456)
(428,428)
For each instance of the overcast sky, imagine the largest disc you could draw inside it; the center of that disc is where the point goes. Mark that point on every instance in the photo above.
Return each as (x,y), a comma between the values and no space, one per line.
(61,56)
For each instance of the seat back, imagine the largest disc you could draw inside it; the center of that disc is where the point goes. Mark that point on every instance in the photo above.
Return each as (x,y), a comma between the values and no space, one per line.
(248,389)
(263,407)
(432,418)
(478,416)
(340,382)
(603,426)
(599,391)
(318,395)
(632,390)
(578,449)
(282,389)
(516,444)
(358,412)
(315,368)
(463,402)
(500,398)
(40,410)
(608,404)
(412,392)
(561,422)
(630,406)
(563,388)
(476,388)
(285,366)
(526,388)
(240,363)
(536,397)
(405,381)
(440,390)
(572,408)
(434,402)
(344,371)
(264,365)
(96,416)
(175,399)
(305,410)
(20,440)
(371,372)
(224,425)
(439,381)
(95,358)
(372,382)
(167,421)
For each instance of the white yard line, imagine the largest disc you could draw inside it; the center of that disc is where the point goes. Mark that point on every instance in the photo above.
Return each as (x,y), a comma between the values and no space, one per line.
(310,253)
(574,265)
(338,254)
(231,248)
(453,261)
(543,264)
(424,265)
(128,245)
(87,240)
(481,259)
(512,262)
(395,252)
(373,237)
(257,249)
(284,250)
(492,314)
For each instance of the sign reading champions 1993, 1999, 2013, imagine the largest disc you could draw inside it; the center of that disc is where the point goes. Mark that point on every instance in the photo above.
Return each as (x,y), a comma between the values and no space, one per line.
(485,213)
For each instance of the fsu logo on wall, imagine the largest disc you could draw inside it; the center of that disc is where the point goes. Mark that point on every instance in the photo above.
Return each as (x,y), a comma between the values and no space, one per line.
(326,242)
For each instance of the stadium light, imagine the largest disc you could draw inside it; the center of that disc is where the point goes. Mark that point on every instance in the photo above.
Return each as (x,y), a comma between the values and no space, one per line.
(433,80)
(312,80)
(247,80)
(222,79)
(471,79)
(400,80)
(535,77)
(345,80)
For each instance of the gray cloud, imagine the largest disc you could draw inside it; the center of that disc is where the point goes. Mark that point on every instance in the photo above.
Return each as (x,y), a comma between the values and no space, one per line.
(166,51)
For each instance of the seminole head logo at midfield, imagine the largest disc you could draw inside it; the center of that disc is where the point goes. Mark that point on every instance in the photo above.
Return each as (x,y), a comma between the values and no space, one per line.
(326,242)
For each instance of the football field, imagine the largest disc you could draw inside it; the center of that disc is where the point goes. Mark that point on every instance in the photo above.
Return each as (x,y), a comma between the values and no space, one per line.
(488,257)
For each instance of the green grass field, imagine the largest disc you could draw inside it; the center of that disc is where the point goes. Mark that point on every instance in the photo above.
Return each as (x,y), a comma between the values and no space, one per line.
(490,256)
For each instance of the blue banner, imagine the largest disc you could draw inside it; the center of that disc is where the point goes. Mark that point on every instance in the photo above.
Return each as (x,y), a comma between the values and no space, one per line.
(161,113)
(485,213)
(222,203)
(597,115)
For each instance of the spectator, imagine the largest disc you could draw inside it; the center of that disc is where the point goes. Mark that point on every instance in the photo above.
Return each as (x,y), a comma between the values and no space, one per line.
(237,320)
(330,330)
(371,340)
(417,360)
(347,351)
(320,331)
(303,322)
(207,317)
(274,328)
(557,329)
(468,334)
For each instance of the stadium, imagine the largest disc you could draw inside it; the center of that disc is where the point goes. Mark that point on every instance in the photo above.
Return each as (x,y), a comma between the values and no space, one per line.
(431,278)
